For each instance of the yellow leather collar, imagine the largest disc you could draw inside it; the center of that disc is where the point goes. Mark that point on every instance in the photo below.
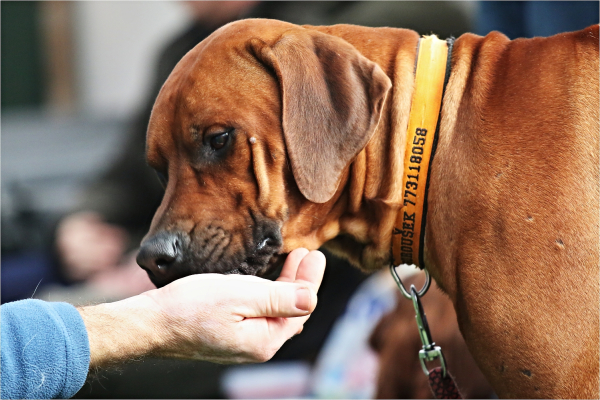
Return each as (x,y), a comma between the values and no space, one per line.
(431,74)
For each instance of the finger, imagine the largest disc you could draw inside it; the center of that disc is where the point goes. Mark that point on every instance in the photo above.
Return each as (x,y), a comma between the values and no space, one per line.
(281,329)
(285,328)
(290,267)
(311,269)
(279,299)
(269,334)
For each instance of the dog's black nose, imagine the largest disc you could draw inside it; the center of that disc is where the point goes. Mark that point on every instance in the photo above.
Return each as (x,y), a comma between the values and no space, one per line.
(159,252)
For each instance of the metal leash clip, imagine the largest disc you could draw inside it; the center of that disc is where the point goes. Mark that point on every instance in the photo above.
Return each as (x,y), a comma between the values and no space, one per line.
(430,352)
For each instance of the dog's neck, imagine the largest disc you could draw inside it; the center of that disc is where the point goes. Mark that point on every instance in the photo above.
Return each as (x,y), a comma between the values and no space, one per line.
(484,264)
(371,191)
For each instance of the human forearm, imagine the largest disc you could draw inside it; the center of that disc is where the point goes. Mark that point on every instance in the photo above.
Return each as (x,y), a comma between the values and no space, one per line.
(123,330)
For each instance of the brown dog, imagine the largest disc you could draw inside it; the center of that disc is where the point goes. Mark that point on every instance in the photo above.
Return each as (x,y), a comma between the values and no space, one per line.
(271,136)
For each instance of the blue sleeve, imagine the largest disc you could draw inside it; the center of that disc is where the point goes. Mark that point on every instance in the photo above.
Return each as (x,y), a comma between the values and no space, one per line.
(45,350)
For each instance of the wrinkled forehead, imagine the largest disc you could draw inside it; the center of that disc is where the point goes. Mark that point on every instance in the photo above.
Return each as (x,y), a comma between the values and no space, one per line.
(219,79)
(222,68)
(209,73)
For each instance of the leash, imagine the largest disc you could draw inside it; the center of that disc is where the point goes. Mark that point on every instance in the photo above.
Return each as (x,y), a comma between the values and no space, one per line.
(440,381)
(431,76)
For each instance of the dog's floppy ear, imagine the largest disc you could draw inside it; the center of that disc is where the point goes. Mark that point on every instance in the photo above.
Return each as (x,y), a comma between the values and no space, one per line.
(332,100)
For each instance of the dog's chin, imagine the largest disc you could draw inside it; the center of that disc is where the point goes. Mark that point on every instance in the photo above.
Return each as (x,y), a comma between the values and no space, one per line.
(269,268)
(155,281)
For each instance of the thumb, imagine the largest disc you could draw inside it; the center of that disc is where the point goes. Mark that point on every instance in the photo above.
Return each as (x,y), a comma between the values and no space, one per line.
(282,299)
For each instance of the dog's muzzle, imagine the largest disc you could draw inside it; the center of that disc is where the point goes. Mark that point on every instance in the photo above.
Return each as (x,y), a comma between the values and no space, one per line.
(170,255)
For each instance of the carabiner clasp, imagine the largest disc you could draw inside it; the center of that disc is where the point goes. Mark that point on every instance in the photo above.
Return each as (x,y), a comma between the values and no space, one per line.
(429,352)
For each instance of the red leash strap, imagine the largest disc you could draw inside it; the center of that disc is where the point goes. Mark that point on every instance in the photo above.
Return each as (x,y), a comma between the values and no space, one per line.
(443,387)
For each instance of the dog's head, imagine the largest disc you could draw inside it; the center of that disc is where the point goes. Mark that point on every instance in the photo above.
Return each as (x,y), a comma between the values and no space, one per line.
(251,135)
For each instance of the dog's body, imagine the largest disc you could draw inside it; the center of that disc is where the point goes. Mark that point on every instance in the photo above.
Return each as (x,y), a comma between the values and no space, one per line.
(275,136)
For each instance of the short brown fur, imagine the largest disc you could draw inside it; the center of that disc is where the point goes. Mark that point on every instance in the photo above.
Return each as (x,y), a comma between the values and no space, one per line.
(512,233)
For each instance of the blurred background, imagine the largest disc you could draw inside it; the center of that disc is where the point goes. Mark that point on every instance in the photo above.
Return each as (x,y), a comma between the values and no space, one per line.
(78,81)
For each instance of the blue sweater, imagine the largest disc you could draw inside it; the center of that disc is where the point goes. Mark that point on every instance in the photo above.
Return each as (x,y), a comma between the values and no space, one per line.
(45,350)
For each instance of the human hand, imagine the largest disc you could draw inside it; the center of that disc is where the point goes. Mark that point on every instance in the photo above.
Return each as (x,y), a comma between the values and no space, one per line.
(219,318)
(87,245)
(235,319)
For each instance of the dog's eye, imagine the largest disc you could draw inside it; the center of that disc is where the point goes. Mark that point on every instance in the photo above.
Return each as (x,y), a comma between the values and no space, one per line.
(219,141)
(162,178)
